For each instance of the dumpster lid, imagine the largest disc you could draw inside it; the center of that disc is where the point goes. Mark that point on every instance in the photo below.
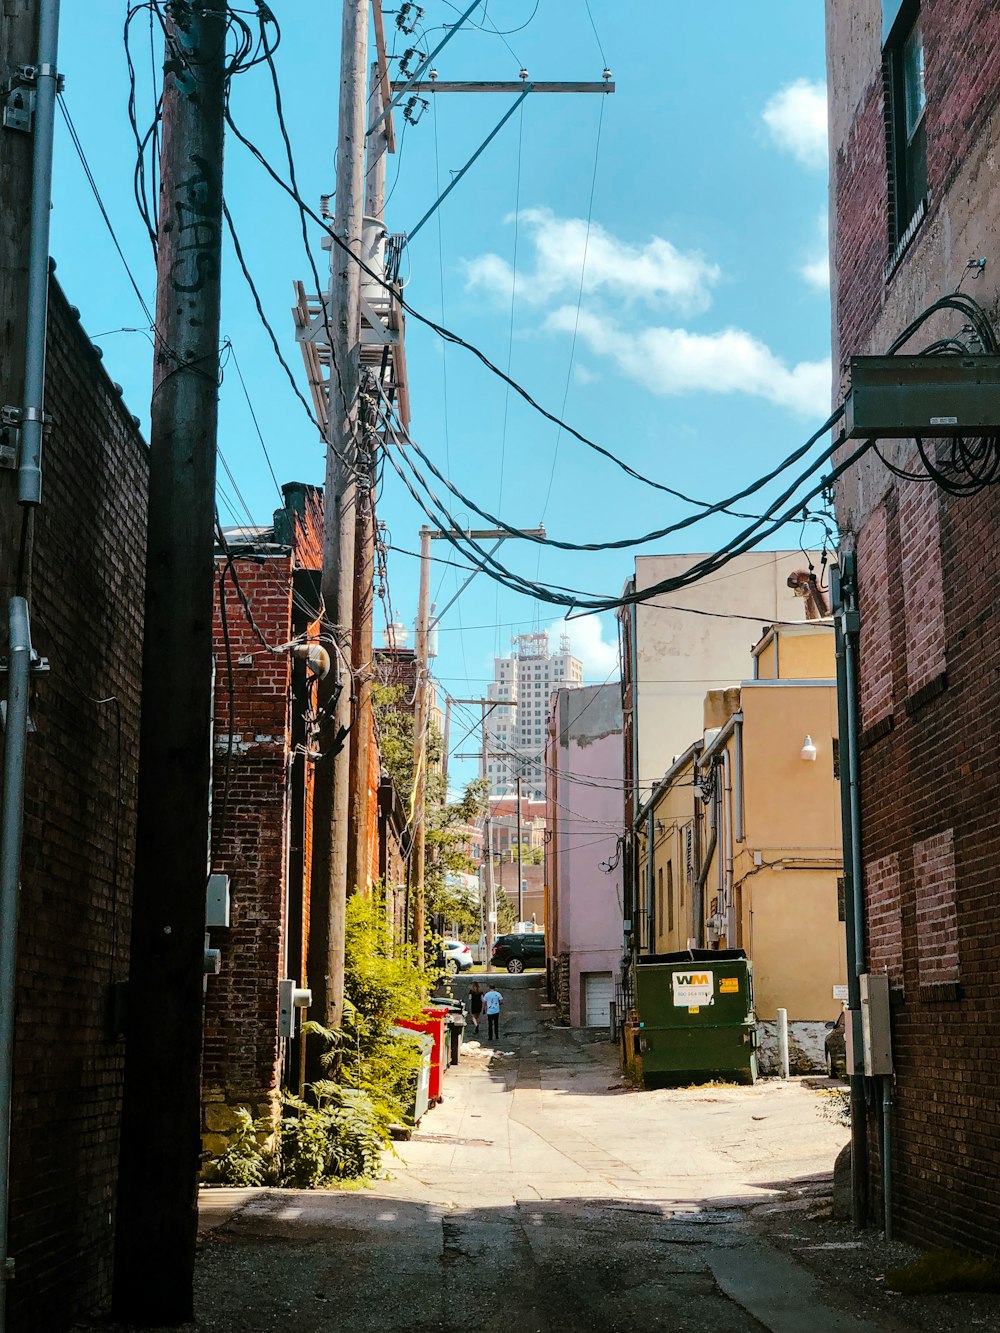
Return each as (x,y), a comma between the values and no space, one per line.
(694,956)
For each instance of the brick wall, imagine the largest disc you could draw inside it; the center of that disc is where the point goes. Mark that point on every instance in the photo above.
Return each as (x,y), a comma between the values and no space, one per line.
(930,773)
(76,889)
(241,1064)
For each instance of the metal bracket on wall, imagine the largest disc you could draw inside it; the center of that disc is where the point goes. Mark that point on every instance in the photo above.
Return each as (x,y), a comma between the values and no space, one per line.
(19,96)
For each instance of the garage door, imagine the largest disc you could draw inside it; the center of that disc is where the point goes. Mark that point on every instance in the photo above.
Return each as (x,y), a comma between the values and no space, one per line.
(598,992)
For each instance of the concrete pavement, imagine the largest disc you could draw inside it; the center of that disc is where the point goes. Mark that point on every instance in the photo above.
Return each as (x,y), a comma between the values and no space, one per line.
(544,1194)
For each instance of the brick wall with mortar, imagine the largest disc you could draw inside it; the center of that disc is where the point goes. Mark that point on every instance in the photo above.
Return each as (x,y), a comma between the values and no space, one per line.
(252,838)
(929,657)
(76,885)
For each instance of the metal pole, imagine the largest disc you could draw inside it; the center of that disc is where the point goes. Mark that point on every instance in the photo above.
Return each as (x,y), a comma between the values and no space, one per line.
(491,896)
(333,775)
(845,625)
(783,1042)
(159,1161)
(16,732)
(29,478)
(420,721)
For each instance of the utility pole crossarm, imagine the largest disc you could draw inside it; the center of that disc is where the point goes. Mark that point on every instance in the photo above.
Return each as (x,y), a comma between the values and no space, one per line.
(483,534)
(510,86)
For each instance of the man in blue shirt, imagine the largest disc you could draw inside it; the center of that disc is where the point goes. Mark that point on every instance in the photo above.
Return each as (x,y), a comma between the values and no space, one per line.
(492,1001)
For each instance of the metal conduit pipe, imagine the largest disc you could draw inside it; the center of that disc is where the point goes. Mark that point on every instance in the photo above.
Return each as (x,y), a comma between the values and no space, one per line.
(29,473)
(11,825)
(727,844)
(699,884)
(738,810)
(887,1153)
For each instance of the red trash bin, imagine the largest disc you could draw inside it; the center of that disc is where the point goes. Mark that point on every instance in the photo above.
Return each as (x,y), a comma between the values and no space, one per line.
(433,1025)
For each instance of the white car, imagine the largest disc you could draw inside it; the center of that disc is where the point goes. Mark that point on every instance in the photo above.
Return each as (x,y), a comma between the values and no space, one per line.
(457,956)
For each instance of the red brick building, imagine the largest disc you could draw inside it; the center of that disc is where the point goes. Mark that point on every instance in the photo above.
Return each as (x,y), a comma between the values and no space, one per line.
(79,831)
(267,594)
(913,92)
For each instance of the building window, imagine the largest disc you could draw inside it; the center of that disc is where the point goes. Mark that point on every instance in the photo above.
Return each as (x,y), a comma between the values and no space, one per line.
(905,104)
(659,901)
(836,759)
(841,898)
(670,895)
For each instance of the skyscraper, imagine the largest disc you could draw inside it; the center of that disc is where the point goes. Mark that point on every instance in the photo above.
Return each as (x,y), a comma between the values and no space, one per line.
(523,685)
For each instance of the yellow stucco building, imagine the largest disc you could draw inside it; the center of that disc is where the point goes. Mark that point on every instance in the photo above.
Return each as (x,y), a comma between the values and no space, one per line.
(740,841)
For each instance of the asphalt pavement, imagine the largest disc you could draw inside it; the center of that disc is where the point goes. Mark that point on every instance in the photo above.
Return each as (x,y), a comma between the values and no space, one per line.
(544,1193)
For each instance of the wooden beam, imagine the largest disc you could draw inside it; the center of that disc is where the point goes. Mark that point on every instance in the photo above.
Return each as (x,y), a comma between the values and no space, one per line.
(383,69)
(514,86)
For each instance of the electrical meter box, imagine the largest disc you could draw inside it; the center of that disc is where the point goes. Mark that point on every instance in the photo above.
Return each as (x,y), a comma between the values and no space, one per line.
(898,397)
(876,1034)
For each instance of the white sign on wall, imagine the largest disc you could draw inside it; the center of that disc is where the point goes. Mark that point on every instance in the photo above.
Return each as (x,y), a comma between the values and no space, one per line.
(692,989)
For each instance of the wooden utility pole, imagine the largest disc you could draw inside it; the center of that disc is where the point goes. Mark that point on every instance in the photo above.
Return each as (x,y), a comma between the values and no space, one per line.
(161,1114)
(332,796)
(421,718)
(359,867)
(421,705)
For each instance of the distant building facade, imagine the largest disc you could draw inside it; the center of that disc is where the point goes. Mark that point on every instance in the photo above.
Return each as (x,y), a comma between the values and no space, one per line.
(583,871)
(522,686)
(739,845)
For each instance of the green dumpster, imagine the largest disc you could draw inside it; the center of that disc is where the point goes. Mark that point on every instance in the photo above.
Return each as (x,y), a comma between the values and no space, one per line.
(696,1019)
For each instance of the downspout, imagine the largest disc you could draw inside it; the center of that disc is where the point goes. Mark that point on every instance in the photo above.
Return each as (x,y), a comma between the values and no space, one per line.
(699,884)
(846,625)
(29,473)
(11,827)
(738,781)
(650,883)
(727,844)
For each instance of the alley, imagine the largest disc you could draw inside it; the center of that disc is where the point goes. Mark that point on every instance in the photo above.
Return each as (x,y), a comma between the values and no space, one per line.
(543,1193)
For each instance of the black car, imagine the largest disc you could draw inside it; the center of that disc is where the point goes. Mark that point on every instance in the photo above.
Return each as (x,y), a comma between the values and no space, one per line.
(836,1049)
(516,952)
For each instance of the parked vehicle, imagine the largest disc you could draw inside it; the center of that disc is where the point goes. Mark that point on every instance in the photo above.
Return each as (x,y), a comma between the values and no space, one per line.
(835,1047)
(516,952)
(457,956)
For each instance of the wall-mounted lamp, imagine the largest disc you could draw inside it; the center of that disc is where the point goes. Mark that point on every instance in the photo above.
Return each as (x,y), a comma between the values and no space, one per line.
(808,751)
(660,826)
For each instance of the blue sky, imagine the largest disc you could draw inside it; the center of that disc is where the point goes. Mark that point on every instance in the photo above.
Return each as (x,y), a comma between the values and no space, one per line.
(703,328)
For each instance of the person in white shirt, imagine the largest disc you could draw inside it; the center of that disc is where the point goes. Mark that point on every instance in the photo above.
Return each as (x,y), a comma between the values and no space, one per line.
(492,1001)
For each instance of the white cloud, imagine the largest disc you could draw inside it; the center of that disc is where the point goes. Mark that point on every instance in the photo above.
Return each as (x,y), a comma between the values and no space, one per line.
(796,119)
(656,272)
(816,269)
(584,375)
(670,361)
(587,642)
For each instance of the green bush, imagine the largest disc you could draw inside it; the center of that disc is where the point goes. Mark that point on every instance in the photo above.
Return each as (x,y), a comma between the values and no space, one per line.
(246,1162)
(340,1128)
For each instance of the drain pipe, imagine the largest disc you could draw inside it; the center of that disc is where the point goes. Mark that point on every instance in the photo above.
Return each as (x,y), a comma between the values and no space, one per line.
(11,824)
(29,472)
(887,1154)
(699,884)
(846,626)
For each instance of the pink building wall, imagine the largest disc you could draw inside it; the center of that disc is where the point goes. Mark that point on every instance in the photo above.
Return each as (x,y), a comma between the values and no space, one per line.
(584,779)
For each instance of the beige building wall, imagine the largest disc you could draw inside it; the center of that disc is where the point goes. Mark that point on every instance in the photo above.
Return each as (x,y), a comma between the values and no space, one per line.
(797,653)
(681,654)
(674,860)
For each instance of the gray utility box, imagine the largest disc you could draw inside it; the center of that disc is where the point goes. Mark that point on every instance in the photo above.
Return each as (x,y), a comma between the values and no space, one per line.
(898,397)
(876,1034)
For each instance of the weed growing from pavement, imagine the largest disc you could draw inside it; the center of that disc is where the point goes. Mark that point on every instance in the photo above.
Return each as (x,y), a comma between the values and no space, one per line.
(835,1104)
